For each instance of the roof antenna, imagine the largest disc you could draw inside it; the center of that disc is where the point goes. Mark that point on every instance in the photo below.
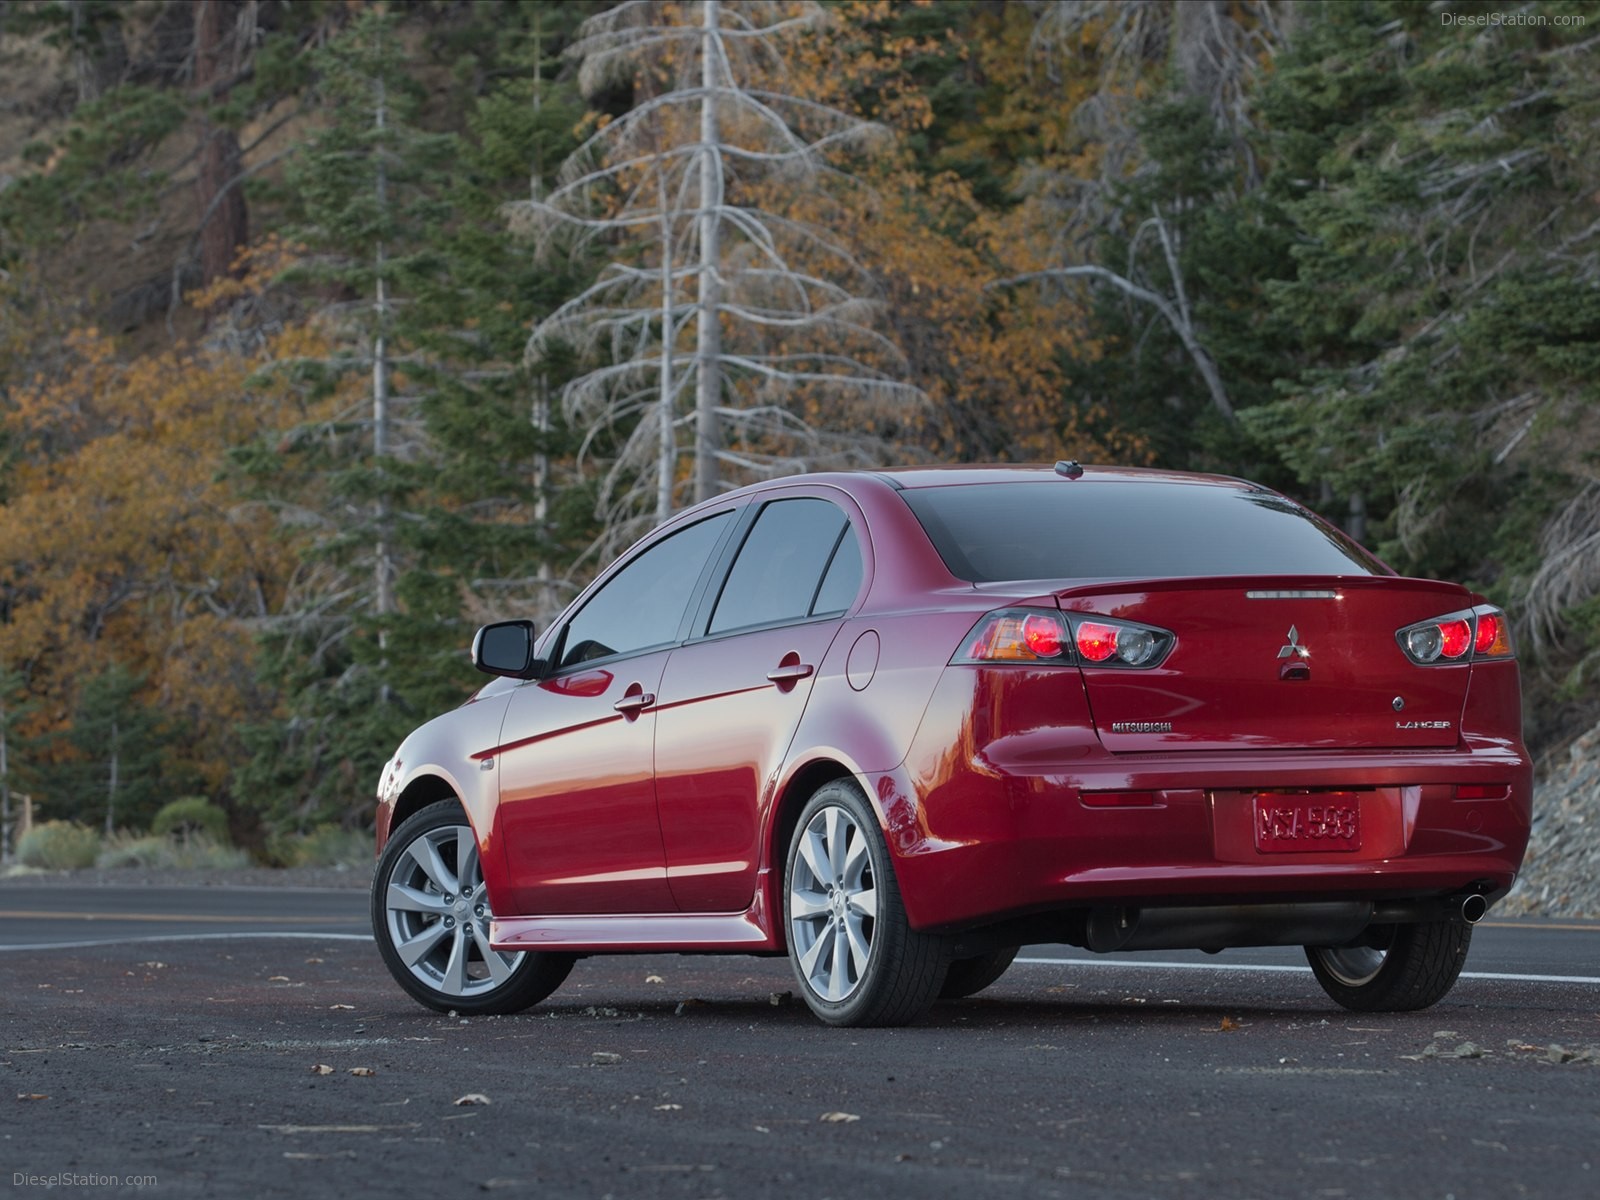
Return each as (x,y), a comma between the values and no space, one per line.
(1069,468)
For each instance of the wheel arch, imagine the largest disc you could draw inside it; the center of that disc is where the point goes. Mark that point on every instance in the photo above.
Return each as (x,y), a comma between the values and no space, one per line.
(420,792)
(792,794)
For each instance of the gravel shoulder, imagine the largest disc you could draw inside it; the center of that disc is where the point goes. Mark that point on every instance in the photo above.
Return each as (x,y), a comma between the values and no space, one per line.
(249,877)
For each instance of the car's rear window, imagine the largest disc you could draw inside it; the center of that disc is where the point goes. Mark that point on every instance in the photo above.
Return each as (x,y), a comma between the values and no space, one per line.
(1067,529)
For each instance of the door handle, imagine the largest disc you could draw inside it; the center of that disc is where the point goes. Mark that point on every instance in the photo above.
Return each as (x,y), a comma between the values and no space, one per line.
(790,672)
(634,702)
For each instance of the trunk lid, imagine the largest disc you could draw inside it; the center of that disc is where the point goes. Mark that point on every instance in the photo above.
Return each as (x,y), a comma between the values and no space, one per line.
(1275,663)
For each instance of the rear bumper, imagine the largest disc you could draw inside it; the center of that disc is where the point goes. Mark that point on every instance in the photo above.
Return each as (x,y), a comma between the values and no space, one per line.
(988,840)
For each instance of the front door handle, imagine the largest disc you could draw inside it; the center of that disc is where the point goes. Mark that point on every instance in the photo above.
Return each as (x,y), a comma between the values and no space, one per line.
(790,672)
(634,703)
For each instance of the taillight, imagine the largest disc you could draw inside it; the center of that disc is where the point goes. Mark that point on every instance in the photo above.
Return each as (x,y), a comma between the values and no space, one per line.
(1478,633)
(1047,636)
(1017,635)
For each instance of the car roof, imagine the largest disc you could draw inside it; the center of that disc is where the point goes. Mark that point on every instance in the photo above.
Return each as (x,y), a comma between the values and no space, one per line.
(980,473)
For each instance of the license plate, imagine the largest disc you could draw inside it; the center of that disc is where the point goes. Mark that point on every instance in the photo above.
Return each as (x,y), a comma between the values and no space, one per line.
(1327,821)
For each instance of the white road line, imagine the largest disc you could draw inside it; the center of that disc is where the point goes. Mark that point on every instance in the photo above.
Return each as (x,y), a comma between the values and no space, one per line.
(1227,967)
(189,937)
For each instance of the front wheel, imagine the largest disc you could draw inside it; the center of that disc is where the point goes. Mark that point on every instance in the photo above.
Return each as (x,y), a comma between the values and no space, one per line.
(431,914)
(856,957)
(1395,968)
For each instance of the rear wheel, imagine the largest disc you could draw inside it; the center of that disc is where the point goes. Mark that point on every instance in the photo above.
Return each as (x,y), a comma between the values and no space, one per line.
(431,914)
(969,976)
(1396,968)
(856,957)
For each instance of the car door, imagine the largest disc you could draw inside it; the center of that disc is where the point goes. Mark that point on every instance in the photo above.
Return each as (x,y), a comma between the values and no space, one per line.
(732,697)
(577,796)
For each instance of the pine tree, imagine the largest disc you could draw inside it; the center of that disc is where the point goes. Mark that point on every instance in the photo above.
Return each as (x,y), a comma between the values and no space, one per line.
(113,770)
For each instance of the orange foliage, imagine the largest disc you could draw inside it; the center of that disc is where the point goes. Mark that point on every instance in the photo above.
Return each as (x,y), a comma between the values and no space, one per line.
(122,541)
(996,361)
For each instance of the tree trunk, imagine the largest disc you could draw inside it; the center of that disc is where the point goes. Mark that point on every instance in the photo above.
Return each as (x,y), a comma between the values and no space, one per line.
(383,590)
(5,792)
(708,350)
(224,220)
(111,791)
(666,447)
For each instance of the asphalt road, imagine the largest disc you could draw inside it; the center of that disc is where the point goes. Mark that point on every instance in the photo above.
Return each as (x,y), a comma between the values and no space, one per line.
(191,1062)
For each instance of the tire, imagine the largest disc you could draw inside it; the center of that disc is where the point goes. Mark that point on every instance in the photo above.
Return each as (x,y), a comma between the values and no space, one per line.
(1397,968)
(431,914)
(855,956)
(969,976)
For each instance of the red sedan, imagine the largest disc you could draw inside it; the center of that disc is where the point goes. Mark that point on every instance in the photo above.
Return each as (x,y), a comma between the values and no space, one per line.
(897,724)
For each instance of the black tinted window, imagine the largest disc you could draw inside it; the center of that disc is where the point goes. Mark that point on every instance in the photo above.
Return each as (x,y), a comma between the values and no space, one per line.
(778,568)
(843,580)
(1058,529)
(642,605)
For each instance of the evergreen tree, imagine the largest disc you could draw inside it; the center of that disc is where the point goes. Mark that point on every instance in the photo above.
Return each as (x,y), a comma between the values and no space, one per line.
(113,769)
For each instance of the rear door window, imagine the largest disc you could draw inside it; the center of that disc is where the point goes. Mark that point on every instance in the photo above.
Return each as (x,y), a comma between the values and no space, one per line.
(780,567)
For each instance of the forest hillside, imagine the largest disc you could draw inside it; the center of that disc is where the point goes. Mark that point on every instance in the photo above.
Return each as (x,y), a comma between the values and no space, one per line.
(330,330)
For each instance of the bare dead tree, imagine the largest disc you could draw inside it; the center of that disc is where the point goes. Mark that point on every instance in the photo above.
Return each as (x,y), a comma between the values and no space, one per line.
(714,283)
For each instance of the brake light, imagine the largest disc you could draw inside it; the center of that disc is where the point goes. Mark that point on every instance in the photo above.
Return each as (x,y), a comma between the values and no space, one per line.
(1454,638)
(1481,632)
(1493,639)
(1096,642)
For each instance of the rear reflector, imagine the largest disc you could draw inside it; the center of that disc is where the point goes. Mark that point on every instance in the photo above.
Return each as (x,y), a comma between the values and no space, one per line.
(1118,799)
(1482,791)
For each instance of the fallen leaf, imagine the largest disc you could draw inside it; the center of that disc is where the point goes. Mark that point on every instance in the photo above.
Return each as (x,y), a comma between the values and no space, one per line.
(838,1118)
(313,960)
(1228,1025)
(669,1108)
(364,1072)
(321,1069)
(779,999)
(345,1007)
(32,1096)
(654,979)
(277,979)
(605,1058)
(471,1098)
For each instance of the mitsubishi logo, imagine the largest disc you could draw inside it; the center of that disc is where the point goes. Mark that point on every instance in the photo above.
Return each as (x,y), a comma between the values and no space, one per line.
(1294,648)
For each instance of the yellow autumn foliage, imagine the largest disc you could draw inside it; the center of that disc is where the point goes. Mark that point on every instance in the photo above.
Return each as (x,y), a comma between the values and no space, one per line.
(123,539)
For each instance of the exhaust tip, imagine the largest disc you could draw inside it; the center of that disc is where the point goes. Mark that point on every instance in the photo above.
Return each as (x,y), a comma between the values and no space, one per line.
(1473,909)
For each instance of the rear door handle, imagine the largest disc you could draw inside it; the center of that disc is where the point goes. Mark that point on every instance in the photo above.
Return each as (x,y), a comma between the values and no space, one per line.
(635,702)
(790,672)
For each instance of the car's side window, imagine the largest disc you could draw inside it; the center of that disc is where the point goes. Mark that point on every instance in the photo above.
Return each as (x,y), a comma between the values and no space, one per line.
(839,585)
(642,605)
(780,565)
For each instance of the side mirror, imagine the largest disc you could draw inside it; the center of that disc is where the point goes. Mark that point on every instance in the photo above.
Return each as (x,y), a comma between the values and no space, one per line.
(506,648)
